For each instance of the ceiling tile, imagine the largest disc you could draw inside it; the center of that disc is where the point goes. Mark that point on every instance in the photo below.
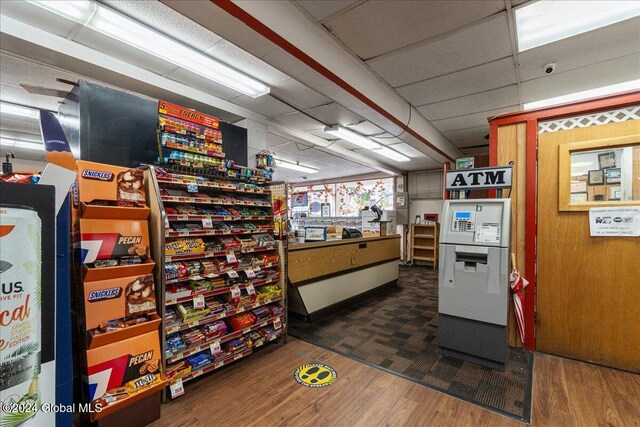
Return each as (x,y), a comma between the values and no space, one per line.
(600,45)
(593,76)
(15,71)
(299,121)
(240,59)
(335,114)
(377,27)
(122,51)
(478,44)
(471,142)
(484,77)
(366,128)
(468,133)
(471,120)
(325,8)
(212,18)
(156,15)
(265,105)
(298,94)
(484,101)
(407,150)
(386,139)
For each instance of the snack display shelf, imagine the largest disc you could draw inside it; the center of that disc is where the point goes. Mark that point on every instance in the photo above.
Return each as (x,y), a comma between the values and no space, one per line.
(203,233)
(189,217)
(211,201)
(182,132)
(187,180)
(224,338)
(221,363)
(213,254)
(208,319)
(188,149)
(219,273)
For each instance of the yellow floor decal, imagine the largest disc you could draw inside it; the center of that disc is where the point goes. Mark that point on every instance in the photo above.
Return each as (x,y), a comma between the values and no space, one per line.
(315,375)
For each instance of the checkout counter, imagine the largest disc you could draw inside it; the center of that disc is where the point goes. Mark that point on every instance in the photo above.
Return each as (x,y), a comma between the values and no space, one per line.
(329,275)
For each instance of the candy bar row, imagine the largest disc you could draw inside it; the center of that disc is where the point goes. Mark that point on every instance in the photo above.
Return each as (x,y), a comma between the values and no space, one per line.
(236,346)
(207,267)
(198,246)
(177,343)
(219,198)
(216,210)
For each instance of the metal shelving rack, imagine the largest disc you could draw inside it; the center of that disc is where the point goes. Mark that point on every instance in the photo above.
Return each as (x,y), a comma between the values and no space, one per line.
(227,186)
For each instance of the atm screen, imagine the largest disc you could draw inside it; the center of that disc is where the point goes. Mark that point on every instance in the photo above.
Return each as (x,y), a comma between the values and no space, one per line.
(463,221)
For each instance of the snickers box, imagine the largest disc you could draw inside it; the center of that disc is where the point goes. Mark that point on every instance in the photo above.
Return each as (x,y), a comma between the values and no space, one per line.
(117,298)
(110,192)
(112,239)
(114,365)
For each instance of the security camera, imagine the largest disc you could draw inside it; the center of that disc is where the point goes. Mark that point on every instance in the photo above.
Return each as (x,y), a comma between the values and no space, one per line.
(550,68)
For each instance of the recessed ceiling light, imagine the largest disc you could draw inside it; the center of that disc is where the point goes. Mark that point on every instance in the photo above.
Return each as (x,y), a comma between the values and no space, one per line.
(391,154)
(294,166)
(351,136)
(542,22)
(126,30)
(585,94)
(19,143)
(18,110)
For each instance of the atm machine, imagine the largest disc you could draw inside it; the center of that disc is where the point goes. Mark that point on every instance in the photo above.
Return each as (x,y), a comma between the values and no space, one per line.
(474,280)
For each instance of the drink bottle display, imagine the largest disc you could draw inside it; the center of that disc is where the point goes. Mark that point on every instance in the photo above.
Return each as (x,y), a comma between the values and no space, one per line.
(20,304)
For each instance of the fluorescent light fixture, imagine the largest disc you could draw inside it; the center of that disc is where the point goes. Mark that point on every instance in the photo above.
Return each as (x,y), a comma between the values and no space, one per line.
(294,166)
(391,154)
(585,94)
(126,30)
(18,143)
(543,22)
(351,136)
(18,110)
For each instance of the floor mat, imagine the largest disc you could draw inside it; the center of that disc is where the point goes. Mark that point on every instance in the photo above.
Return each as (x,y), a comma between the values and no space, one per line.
(398,330)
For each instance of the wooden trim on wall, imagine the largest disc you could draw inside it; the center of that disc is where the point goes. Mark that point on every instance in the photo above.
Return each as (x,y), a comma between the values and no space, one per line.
(531,233)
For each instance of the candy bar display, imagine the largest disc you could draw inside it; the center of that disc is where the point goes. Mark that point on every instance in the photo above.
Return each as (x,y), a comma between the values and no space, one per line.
(214,225)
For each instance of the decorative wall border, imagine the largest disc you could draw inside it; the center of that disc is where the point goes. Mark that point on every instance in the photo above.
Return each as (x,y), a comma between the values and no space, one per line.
(601,118)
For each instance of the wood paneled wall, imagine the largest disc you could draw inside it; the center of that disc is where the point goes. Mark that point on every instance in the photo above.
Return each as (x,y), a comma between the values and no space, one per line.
(512,148)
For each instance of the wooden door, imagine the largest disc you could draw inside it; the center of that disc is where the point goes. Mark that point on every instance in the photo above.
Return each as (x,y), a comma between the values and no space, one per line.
(588,292)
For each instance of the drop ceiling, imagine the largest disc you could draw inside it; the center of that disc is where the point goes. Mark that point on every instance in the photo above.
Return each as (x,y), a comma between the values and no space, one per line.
(454,62)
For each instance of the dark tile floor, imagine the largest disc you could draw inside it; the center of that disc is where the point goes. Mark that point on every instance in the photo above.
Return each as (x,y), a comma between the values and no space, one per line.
(398,331)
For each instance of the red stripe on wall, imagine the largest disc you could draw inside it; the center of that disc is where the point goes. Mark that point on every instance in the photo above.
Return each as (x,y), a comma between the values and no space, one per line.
(240,14)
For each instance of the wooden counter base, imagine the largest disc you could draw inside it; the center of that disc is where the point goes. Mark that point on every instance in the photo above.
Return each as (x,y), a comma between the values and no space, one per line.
(326,276)
(310,262)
